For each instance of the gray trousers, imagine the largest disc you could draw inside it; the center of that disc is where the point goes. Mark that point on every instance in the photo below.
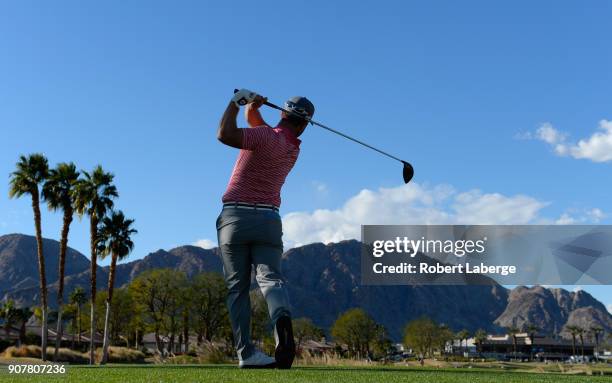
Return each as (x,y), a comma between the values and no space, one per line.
(251,238)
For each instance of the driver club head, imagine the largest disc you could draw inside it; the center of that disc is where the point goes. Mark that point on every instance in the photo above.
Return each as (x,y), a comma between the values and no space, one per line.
(408,172)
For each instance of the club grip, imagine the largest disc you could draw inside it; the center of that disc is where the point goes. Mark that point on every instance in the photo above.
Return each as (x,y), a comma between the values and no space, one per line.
(271,105)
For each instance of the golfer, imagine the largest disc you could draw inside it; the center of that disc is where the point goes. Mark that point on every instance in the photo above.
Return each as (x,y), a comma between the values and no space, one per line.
(249,227)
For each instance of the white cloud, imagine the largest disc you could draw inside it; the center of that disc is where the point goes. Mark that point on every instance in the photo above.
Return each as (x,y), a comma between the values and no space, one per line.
(565,219)
(409,204)
(320,187)
(550,135)
(581,217)
(205,243)
(596,215)
(609,307)
(597,147)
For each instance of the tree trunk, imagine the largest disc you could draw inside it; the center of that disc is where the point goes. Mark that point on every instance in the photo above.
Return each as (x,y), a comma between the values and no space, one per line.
(157,341)
(22,333)
(60,290)
(186,330)
(73,332)
(93,232)
(42,272)
(136,340)
(79,323)
(106,334)
(58,331)
(171,343)
(111,284)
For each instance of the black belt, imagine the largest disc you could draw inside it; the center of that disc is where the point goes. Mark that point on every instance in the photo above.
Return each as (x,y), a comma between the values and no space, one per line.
(252,206)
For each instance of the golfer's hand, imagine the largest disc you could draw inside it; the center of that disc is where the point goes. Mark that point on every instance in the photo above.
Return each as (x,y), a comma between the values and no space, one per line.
(243,97)
(257,102)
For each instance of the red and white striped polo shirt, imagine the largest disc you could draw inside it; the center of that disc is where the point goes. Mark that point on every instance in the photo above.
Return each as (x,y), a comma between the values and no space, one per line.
(266,158)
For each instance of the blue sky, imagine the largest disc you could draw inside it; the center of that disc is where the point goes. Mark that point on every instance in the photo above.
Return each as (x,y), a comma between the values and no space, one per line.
(466,91)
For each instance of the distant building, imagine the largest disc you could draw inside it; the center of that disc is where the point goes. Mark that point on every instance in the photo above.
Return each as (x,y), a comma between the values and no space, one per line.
(318,348)
(542,347)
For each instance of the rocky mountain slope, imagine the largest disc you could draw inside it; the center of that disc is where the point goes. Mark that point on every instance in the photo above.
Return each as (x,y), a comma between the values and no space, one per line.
(551,310)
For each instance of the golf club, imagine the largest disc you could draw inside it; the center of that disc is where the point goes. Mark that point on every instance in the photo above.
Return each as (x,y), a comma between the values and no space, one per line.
(408,170)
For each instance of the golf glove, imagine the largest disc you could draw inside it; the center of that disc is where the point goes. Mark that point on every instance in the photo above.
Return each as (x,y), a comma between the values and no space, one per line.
(243,97)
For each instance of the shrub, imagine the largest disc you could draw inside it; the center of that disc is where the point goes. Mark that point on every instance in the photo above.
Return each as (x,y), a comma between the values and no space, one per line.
(211,354)
(65,355)
(121,355)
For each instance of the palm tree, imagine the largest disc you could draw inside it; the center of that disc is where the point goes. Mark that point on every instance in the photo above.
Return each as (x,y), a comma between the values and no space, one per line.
(596,331)
(531,330)
(23,315)
(58,191)
(480,337)
(581,332)
(78,298)
(512,331)
(31,172)
(94,197)
(574,330)
(8,313)
(463,335)
(114,239)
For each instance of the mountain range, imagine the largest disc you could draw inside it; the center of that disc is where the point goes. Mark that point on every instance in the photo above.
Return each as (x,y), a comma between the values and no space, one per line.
(323,281)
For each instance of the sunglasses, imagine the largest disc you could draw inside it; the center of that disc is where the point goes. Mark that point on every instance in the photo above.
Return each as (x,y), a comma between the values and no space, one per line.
(293,107)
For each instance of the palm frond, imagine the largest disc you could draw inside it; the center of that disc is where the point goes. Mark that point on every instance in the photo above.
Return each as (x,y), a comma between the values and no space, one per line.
(115,234)
(58,190)
(30,171)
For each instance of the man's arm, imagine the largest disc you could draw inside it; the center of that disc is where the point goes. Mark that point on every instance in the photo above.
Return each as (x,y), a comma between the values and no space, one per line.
(228,132)
(253,116)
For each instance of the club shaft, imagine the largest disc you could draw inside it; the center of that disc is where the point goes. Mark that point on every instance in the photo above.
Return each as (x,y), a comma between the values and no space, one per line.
(338,133)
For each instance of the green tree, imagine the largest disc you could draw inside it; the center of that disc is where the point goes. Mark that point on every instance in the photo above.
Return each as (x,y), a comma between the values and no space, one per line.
(120,320)
(303,330)
(31,172)
(574,331)
(94,197)
(78,298)
(58,192)
(357,329)
(381,345)
(156,290)
(512,331)
(114,239)
(581,332)
(23,315)
(443,336)
(186,319)
(174,313)
(596,331)
(480,337)
(463,335)
(531,330)
(9,314)
(420,335)
(208,293)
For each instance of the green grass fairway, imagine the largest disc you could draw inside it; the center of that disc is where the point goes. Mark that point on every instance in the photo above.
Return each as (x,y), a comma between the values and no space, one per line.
(186,373)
